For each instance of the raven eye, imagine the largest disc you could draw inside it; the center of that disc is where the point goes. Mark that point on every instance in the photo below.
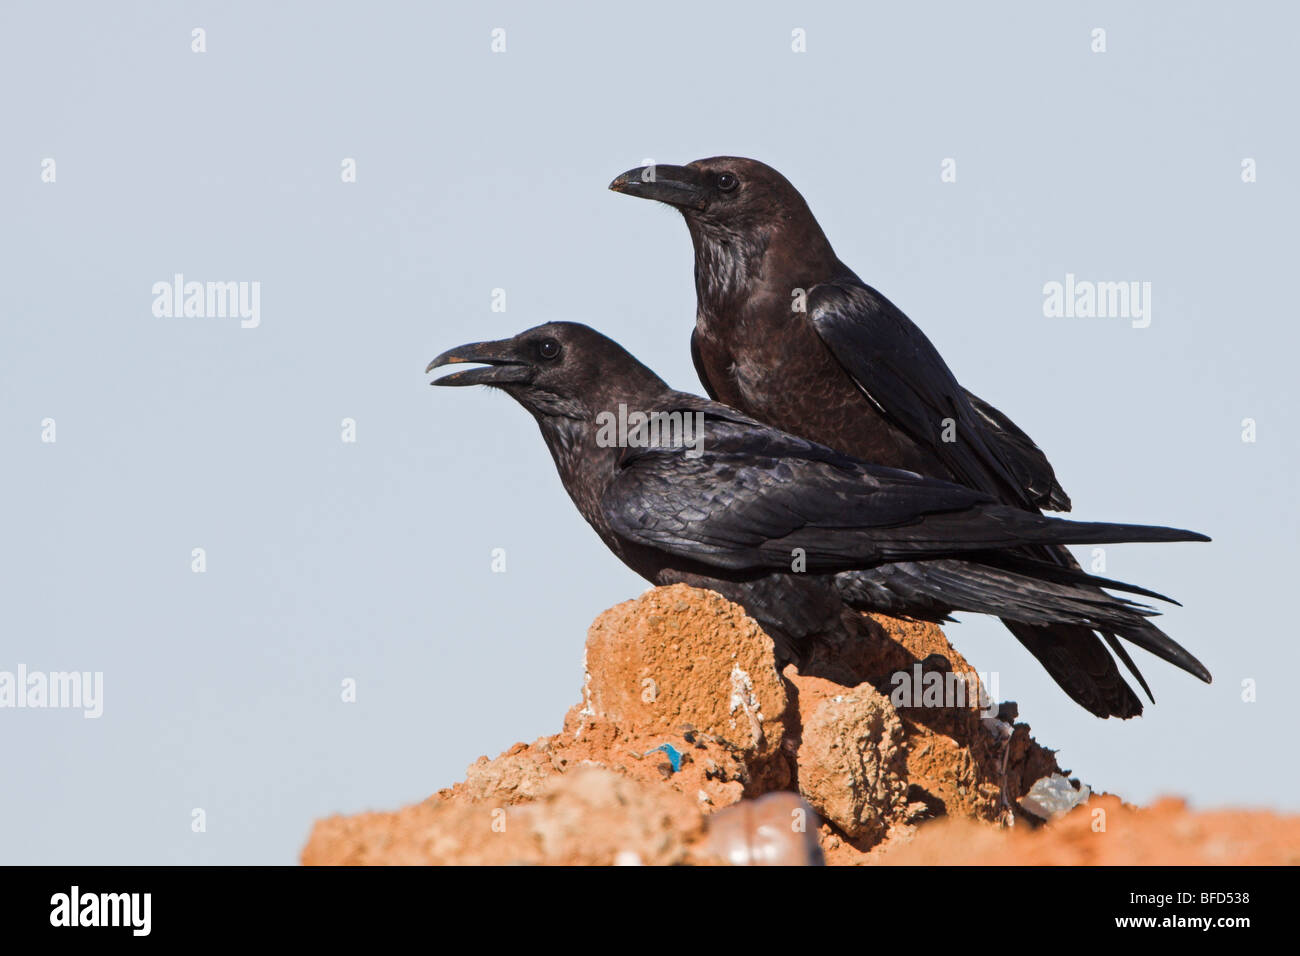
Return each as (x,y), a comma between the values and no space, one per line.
(548,349)
(727,182)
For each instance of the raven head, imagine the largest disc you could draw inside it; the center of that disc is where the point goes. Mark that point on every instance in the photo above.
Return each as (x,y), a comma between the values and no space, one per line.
(725,192)
(746,221)
(559,369)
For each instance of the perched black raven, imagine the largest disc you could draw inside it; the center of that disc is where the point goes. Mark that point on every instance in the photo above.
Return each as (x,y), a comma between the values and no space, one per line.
(787,333)
(684,489)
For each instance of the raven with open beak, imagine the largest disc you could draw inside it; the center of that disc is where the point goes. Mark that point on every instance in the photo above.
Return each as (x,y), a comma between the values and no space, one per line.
(794,532)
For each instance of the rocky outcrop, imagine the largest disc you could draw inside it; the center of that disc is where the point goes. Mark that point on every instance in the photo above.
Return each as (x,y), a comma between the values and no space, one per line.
(684,713)
(688,745)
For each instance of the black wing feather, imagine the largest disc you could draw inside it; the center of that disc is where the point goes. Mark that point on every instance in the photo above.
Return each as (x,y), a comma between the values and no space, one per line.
(755,494)
(904,375)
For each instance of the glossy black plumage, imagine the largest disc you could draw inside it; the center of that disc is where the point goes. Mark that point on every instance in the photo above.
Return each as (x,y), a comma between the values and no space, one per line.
(738,504)
(790,335)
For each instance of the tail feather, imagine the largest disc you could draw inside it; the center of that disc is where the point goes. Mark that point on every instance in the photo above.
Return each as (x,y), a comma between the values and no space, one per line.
(1065,574)
(1077,660)
(1086,686)
(1063,531)
(1053,607)
(1150,638)
(1122,653)
(935,589)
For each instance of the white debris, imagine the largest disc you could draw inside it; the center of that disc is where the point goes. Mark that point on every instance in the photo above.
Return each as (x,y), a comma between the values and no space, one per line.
(1052,796)
(742,698)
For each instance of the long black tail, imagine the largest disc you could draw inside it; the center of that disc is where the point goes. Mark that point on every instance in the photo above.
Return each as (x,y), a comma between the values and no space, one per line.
(986,528)
(933,590)
(1078,661)
(1076,658)
(1052,609)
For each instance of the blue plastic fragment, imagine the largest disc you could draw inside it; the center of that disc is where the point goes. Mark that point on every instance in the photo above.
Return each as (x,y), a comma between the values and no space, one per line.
(674,758)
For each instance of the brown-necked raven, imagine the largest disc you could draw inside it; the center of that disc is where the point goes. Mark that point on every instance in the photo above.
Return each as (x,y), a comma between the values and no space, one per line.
(688,490)
(787,333)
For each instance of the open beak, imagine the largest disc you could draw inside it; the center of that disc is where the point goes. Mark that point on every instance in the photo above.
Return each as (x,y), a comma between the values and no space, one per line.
(678,186)
(501,367)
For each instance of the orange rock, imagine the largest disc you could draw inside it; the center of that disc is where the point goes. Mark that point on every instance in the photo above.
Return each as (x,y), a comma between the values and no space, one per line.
(683,714)
(1107,832)
(588,817)
(852,758)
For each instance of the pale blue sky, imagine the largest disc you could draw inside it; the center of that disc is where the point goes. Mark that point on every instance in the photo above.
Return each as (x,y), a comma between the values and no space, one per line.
(477,171)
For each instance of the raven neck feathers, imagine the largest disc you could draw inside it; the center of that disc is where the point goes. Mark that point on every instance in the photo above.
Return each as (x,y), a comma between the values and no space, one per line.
(727,263)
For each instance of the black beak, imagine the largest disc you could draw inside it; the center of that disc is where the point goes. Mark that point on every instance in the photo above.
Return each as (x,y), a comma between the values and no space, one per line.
(678,186)
(502,367)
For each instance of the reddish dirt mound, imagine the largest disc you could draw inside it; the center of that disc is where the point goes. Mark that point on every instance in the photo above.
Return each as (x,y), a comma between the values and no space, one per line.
(685,722)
